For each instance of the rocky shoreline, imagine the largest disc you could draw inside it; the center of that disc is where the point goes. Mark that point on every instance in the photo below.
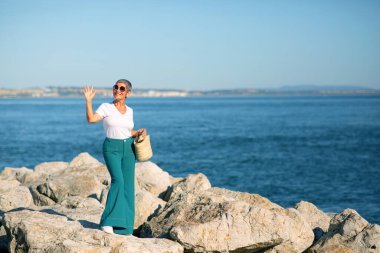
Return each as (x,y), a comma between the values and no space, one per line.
(56,207)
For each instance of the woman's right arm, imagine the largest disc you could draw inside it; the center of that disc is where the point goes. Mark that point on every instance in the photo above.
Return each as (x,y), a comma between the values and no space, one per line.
(89,94)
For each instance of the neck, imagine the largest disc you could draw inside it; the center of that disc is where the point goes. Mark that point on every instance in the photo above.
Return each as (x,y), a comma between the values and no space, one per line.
(119,102)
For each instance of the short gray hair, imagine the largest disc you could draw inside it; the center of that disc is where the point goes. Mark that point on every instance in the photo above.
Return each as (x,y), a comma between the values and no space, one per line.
(126,82)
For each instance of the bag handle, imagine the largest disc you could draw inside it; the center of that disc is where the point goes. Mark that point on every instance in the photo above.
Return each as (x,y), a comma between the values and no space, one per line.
(139,137)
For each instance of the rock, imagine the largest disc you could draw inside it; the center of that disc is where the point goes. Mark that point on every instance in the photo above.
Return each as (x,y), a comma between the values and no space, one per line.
(210,222)
(29,179)
(36,231)
(8,184)
(14,173)
(253,199)
(3,238)
(85,210)
(59,187)
(84,160)
(71,246)
(68,200)
(100,172)
(190,184)
(146,206)
(34,178)
(150,245)
(318,220)
(349,232)
(51,167)
(14,195)
(298,238)
(40,199)
(152,178)
(85,164)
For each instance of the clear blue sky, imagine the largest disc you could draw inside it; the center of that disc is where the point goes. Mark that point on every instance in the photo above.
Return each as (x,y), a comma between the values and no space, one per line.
(190,44)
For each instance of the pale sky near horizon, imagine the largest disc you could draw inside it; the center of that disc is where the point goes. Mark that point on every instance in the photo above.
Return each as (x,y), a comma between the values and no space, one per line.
(190,45)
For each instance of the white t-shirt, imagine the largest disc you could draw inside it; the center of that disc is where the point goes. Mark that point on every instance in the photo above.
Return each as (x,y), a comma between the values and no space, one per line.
(116,125)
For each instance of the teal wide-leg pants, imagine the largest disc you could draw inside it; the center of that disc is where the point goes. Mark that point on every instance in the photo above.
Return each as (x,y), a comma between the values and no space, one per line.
(119,211)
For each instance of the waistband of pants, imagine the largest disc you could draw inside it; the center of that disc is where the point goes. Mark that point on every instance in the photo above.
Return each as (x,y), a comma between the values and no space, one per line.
(120,140)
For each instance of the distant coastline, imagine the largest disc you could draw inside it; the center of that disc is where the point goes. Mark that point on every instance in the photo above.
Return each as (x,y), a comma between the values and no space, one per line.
(306,90)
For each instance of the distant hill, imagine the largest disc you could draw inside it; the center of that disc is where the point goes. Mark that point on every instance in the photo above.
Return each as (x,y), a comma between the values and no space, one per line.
(296,90)
(321,87)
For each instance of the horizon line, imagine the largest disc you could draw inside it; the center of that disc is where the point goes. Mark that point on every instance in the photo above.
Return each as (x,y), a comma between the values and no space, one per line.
(286,86)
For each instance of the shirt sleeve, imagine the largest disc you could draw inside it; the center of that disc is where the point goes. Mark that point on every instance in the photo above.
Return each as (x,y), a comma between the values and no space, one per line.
(101,110)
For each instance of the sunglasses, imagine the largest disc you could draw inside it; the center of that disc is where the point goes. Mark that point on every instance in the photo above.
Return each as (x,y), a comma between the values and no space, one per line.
(121,88)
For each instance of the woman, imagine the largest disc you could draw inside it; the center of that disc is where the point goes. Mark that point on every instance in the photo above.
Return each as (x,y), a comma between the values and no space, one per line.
(119,155)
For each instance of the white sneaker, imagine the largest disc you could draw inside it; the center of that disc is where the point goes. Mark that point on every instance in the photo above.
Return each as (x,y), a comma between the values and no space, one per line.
(107,229)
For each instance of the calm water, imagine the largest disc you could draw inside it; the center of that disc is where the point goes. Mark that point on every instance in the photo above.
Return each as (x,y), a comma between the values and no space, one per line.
(325,150)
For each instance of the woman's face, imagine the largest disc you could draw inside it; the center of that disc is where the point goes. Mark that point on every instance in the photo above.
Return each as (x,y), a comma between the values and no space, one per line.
(120,91)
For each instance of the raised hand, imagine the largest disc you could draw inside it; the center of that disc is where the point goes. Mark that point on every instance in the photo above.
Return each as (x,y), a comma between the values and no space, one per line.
(89,93)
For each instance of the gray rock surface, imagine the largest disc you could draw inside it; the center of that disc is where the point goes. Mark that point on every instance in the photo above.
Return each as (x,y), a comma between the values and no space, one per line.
(40,199)
(253,199)
(315,217)
(14,195)
(85,210)
(57,208)
(61,186)
(318,220)
(146,206)
(209,222)
(84,160)
(9,173)
(190,184)
(35,231)
(349,232)
(51,167)
(153,179)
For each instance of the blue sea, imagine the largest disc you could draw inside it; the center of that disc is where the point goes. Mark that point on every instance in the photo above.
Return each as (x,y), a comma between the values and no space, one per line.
(323,149)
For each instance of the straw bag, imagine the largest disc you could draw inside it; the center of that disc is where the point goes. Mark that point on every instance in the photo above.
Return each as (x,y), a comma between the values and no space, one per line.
(142,148)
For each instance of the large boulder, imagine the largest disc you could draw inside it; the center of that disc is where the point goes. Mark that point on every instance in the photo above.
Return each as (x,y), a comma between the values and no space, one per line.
(153,179)
(9,173)
(84,160)
(255,200)
(85,210)
(100,172)
(59,187)
(191,184)
(349,232)
(40,199)
(37,231)
(51,168)
(146,207)
(14,195)
(8,184)
(318,220)
(209,222)
(85,164)
(35,178)
(30,179)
